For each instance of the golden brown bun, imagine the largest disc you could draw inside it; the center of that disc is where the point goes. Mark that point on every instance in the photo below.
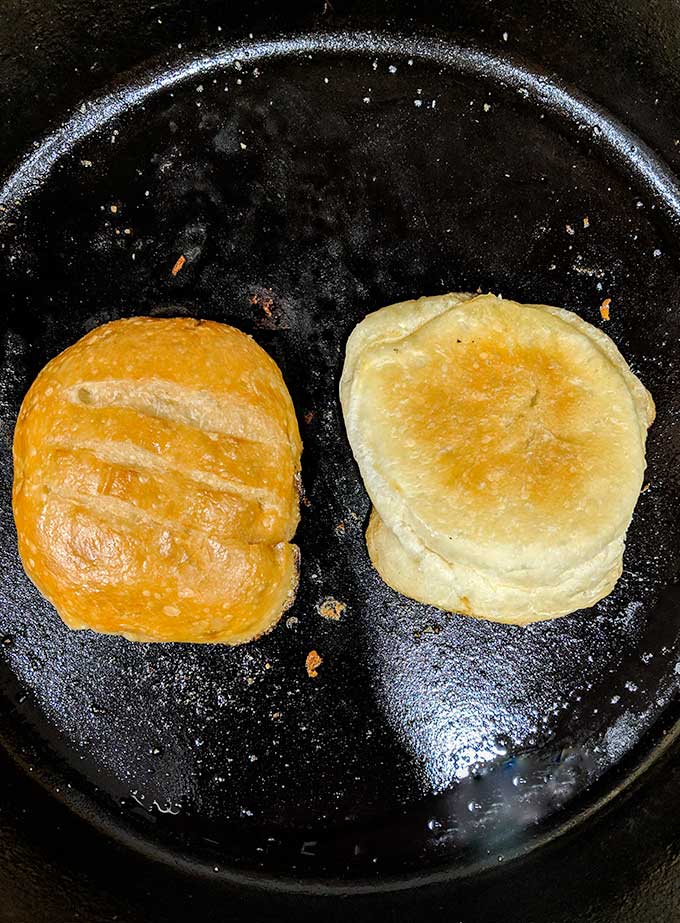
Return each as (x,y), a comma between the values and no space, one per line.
(503,447)
(156,467)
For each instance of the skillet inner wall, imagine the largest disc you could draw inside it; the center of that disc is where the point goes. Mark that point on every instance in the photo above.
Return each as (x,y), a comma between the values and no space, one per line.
(305,193)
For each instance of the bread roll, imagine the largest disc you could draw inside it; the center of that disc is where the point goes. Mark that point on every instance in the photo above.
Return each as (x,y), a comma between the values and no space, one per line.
(503,447)
(156,470)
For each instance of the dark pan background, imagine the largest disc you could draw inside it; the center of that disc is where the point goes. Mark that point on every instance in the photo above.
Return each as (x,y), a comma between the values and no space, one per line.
(622,865)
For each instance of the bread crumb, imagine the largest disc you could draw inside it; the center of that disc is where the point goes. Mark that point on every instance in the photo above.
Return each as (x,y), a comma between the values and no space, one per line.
(178,265)
(331,608)
(586,222)
(569,229)
(340,528)
(645,487)
(309,416)
(306,501)
(312,663)
(114,209)
(264,301)
(604,309)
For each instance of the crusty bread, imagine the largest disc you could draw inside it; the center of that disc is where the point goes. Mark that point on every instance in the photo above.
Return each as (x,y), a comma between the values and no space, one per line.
(503,447)
(156,468)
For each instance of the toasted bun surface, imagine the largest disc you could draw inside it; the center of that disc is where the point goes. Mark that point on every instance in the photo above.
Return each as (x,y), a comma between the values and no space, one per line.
(155,483)
(503,447)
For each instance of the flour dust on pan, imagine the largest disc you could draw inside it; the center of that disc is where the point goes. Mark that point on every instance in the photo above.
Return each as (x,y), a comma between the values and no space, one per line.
(289,188)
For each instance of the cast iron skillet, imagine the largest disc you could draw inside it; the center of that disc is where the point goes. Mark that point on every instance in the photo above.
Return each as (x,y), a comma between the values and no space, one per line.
(307,180)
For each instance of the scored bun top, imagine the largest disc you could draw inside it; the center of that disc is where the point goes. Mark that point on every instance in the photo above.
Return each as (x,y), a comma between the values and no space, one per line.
(157,459)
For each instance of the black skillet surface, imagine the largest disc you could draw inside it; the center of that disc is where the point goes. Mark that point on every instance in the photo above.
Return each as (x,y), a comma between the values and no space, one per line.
(308,181)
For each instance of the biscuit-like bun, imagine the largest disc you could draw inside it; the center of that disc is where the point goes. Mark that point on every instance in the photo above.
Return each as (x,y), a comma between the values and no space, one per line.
(503,448)
(156,471)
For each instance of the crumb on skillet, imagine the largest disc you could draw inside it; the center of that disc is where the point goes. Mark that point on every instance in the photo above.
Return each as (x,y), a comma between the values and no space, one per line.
(181,260)
(312,663)
(331,608)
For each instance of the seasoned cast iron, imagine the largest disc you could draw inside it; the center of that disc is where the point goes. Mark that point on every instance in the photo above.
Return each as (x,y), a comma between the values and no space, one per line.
(308,180)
